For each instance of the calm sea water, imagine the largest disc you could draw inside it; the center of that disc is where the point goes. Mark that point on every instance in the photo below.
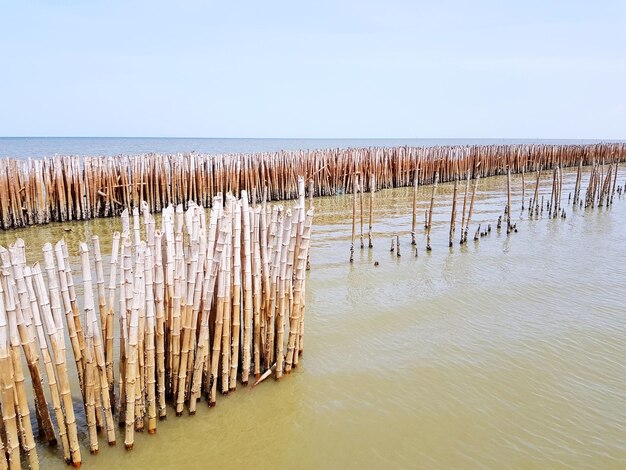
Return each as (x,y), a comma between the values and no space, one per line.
(509,352)
(24,147)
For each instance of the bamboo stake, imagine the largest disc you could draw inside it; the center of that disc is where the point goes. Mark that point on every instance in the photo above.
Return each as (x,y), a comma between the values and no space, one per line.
(430,212)
(453,213)
(371,218)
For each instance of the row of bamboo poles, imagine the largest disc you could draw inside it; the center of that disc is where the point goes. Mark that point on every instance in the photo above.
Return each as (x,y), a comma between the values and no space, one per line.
(65,188)
(184,312)
(601,189)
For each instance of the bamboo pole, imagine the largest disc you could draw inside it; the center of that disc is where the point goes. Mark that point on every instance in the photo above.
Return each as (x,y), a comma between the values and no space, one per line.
(58,349)
(354,199)
(7,392)
(248,306)
(471,207)
(371,218)
(430,212)
(8,315)
(453,214)
(48,366)
(414,216)
(27,338)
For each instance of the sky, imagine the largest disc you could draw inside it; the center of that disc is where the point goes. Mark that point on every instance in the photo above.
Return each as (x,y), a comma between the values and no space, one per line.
(432,69)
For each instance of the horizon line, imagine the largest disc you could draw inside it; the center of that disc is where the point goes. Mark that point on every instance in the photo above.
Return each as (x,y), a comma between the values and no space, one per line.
(303,138)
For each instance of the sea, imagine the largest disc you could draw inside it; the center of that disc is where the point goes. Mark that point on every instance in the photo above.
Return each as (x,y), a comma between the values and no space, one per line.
(38,147)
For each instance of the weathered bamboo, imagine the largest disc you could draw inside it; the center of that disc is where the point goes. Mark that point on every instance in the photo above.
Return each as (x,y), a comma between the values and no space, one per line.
(64,188)
(508,200)
(453,214)
(132,366)
(471,208)
(7,391)
(414,213)
(95,346)
(371,218)
(8,313)
(48,366)
(248,307)
(467,185)
(58,349)
(236,296)
(110,316)
(26,330)
(430,212)
(354,200)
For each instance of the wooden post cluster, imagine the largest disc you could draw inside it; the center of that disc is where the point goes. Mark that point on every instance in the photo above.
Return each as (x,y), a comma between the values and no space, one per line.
(201,305)
(65,188)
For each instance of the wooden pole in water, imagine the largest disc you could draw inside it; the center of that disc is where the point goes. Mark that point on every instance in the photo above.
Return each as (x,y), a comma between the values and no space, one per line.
(132,366)
(236,299)
(247,292)
(536,196)
(21,403)
(7,392)
(354,186)
(430,212)
(471,207)
(467,185)
(150,345)
(414,214)
(361,189)
(57,343)
(110,317)
(24,319)
(372,190)
(159,293)
(453,213)
(48,366)
(95,346)
(577,185)
(224,274)
(295,313)
(508,200)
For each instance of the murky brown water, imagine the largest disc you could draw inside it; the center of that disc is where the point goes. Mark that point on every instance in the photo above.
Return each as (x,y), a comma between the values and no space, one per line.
(506,353)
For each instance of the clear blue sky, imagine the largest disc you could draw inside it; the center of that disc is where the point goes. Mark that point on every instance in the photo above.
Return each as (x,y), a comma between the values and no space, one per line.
(313,69)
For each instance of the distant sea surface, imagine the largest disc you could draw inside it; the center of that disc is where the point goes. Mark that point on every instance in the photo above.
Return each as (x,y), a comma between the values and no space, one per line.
(37,147)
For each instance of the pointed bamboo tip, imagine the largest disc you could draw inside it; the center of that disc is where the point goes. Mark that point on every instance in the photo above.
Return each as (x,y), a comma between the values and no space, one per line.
(52,442)
(245,384)
(162,418)
(92,452)
(128,446)
(112,443)
(76,464)
(153,431)
(179,414)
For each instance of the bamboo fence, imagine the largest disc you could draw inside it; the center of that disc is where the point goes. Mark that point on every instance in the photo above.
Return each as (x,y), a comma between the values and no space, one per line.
(201,306)
(65,188)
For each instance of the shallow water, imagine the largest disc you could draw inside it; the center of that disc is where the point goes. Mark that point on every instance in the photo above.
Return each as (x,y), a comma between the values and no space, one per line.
(505,353)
